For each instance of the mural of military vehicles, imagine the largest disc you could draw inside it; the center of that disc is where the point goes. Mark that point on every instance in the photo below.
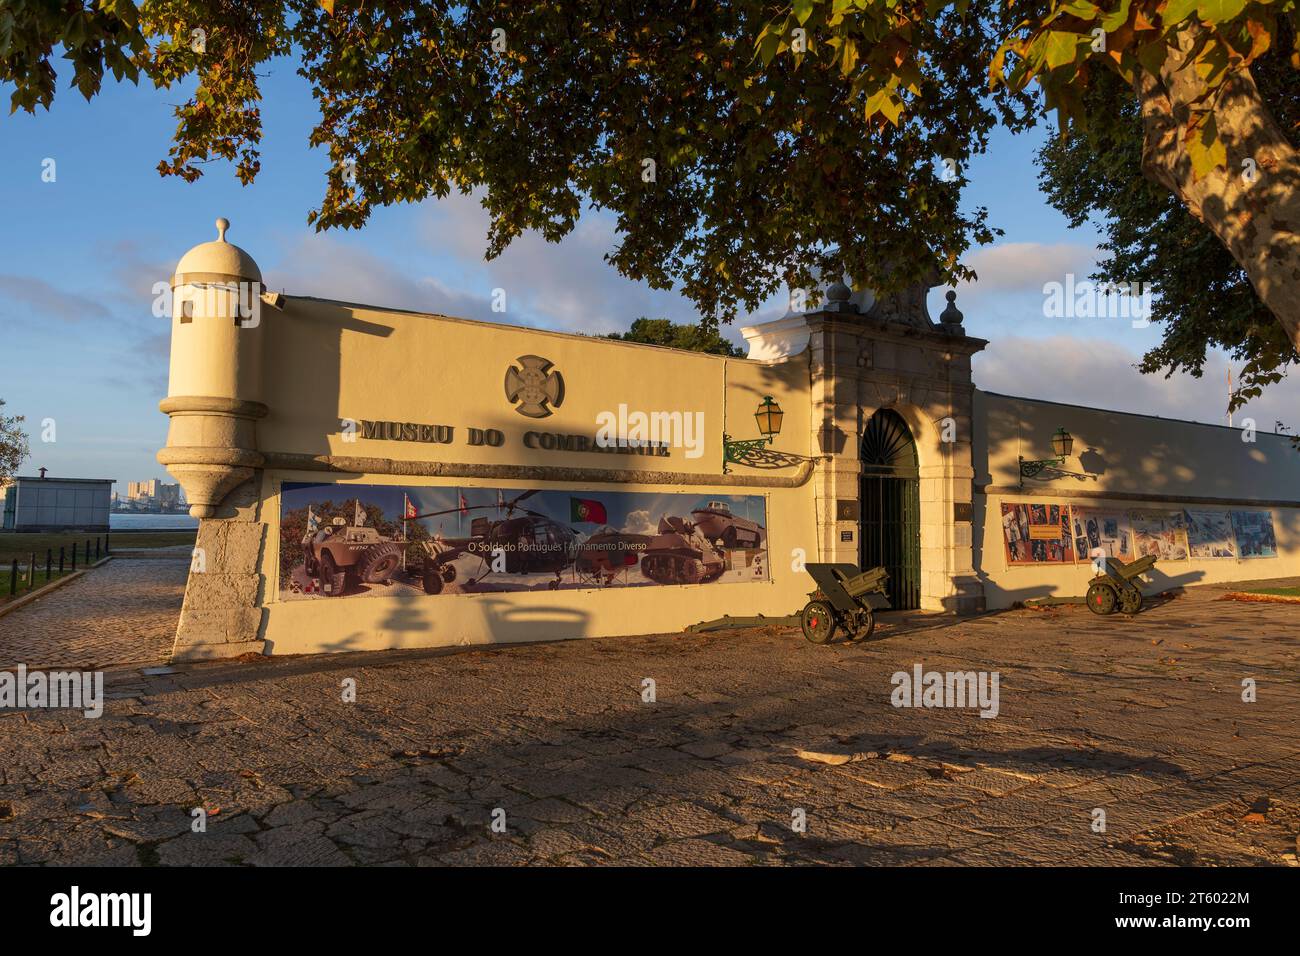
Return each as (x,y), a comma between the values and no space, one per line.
(463,547)
(681,554)
(720,526)
(342,556)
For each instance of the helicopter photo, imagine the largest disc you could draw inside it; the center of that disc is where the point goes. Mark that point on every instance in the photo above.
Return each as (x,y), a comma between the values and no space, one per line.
(525,543)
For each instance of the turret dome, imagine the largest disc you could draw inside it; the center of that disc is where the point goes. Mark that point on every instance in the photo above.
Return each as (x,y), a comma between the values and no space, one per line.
(210,260)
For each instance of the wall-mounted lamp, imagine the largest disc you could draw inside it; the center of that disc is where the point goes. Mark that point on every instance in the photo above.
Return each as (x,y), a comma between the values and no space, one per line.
(768,416)
(1062,443)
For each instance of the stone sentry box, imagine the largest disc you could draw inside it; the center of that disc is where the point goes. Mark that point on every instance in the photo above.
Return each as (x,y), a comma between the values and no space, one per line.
(263,387)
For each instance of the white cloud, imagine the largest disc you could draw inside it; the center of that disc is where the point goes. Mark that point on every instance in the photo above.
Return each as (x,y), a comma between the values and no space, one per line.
(31,300)
(640,522)
(1101,374)
(1027,266)
(564,285)
(329,268)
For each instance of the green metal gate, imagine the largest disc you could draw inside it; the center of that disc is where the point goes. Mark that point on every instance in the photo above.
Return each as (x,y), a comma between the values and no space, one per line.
(890,532)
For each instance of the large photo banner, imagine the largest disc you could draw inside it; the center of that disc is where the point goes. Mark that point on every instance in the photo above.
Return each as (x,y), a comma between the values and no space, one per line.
(1160,533)
(382,540)
(1108,530)
(1209,534)
(1254,531)
(1037,534)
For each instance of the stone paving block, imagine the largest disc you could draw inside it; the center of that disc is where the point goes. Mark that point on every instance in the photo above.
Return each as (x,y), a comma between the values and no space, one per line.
(499,851)
(992,782)
(206,849)
(296,845)
(695,853)
(678,820)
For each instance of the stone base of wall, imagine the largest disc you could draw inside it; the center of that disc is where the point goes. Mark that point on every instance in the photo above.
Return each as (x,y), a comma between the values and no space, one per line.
(968,597)
(221,616)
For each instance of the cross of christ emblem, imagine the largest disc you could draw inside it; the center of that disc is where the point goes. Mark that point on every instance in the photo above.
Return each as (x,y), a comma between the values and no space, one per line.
(534,387)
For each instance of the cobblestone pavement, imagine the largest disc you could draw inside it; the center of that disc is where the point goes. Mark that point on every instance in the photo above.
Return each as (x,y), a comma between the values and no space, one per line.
(1144,720)
(122,612)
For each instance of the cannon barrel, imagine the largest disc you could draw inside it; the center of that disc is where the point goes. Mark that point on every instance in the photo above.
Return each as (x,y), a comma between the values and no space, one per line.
(1134,569)
(864,583)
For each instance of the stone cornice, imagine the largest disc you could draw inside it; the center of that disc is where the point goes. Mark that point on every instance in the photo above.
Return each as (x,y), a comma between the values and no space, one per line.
(211,404)
(345,464)
(862,325)
(1012,491)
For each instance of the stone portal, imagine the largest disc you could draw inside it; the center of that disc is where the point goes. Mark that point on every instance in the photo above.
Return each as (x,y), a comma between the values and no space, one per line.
(871,353)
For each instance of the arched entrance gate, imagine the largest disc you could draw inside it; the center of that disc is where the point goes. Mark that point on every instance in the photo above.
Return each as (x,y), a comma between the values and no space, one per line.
(890,496)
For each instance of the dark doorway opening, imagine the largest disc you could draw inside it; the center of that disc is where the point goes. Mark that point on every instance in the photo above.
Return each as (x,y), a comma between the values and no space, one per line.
(890,534)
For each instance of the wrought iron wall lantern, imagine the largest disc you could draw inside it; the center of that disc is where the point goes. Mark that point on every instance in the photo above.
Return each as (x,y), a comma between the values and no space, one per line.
(751,450)
(1062,444)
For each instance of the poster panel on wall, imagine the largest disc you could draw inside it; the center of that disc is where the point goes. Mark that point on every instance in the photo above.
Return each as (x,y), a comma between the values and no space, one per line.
(1209,534)
(1254,533)
(1107,530)
(385,540)
(1159,533)
(1037,534)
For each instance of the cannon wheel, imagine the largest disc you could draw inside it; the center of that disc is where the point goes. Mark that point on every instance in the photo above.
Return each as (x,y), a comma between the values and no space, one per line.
(1101,599)
(1130,600)
(866,625)
(817,622)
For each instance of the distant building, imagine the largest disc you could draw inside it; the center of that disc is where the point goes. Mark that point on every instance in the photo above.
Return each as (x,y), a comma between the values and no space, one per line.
(152,496)
(57,504)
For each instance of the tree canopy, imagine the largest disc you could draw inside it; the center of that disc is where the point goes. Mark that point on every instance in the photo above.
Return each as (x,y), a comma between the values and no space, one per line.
(13,444)
(692,338)
(1206,298)
(741,145)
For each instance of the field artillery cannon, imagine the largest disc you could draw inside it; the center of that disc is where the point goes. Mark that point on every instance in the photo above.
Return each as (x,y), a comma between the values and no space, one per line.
(1116,587)
(846,599)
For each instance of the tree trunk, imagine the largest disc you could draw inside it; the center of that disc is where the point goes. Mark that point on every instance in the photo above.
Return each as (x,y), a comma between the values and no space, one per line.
(1257,217)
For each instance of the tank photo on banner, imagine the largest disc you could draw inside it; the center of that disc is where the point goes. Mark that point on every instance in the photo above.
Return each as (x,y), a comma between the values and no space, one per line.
(381,540)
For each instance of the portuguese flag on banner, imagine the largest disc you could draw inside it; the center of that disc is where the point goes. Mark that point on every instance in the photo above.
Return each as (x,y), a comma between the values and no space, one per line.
(587,509)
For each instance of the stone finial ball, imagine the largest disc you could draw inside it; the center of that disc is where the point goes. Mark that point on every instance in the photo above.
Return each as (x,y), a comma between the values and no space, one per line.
(222,225)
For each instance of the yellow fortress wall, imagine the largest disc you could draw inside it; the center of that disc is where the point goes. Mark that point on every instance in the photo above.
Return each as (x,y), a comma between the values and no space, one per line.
(887,455)
(1135,463)
(372,365)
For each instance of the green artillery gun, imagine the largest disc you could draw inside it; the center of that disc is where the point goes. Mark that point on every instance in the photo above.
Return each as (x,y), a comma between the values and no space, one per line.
(1116,587)
(846,598)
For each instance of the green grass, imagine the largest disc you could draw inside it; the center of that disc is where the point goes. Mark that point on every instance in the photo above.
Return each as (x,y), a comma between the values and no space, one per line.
(20,546)
(23,589)
(1278,592)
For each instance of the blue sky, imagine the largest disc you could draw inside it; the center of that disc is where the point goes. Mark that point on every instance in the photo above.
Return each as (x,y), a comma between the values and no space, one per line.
(79,256)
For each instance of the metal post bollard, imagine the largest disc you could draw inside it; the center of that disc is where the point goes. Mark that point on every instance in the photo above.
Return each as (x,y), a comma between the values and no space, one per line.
(74,557)
(60,559)
(31,571)
(96,549)
(13,578)
(49,554)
